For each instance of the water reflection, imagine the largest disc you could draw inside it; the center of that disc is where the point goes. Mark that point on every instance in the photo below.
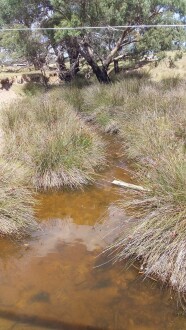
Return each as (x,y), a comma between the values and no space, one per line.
(53,280)
(54,284)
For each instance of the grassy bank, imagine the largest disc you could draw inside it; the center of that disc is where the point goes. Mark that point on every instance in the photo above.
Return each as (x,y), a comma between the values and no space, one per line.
(150,118)
(153,128)
(16,201)
(58,149)
(48,137)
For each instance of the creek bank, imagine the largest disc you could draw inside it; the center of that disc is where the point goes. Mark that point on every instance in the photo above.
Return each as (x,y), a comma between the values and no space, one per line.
(84,148)
(151,123)
(152,127)
(149,118)
(52,142)
(72,285)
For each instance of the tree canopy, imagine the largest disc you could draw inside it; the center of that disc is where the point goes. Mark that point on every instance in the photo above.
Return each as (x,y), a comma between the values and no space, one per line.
(98,47)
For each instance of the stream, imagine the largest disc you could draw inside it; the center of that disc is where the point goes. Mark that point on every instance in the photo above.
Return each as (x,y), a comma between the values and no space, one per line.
(57,279)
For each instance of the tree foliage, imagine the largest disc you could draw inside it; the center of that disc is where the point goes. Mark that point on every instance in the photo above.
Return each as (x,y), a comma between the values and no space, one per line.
(98,47)
(23,12)
(25,45)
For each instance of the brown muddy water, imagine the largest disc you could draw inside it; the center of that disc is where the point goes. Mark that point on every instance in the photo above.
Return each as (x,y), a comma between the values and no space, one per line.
(57,279)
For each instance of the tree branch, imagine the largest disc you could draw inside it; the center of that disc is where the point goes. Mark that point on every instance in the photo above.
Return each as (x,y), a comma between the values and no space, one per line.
(109,58)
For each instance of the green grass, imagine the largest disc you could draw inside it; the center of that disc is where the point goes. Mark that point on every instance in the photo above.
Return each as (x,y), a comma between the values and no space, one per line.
(48,137)
(32,89)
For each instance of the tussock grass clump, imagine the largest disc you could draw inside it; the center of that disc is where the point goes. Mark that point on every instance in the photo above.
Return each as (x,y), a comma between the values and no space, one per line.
(49,138)
(103,104)
(33,89)
(154,136)
(16,201)
(157,234)
(156,125)
(72,94)
(172,82)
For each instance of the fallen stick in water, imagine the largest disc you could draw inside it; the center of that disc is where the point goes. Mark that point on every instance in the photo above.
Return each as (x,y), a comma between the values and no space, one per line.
(128,185)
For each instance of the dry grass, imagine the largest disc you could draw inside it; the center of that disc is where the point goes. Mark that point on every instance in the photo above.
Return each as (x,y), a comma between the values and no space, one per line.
(157,235)
(102,104)
(156,123)
(49,138)
(153,130)
(151,120)
(162,71)
(16,201)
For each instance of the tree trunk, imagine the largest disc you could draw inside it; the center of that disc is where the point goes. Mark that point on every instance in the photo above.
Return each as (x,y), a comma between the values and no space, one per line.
(100,72)
(117,47)
(72,47)
(61,63)
(69,74)
(36,64)
(116,66)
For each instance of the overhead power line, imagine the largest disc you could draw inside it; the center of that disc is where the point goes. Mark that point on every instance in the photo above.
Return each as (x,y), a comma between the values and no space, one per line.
(96,27)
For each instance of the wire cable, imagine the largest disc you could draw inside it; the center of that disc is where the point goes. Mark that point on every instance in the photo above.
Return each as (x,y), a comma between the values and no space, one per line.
(96,27)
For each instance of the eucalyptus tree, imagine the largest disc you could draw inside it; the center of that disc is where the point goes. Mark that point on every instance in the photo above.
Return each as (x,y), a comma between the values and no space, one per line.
(102,47)
(23,12)
(23,44)
(99,47)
